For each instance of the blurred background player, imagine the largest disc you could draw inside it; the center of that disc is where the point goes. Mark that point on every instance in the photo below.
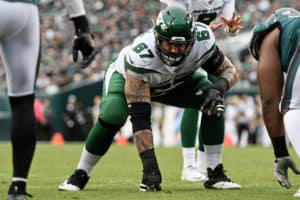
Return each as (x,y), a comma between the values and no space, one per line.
(161,66)
(216,14)
(20,52)
(275,44)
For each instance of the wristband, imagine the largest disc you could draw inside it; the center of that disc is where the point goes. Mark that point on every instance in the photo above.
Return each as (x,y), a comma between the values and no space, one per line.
(222,84)
(279,146)
(81,24)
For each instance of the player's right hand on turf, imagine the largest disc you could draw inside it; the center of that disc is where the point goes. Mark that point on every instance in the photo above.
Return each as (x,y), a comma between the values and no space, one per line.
(281,167)
(151,181)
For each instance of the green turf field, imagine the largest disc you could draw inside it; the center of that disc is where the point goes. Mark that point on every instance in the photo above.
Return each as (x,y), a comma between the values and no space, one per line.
(118,174)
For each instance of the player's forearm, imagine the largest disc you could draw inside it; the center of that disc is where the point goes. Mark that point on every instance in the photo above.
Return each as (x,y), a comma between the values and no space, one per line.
(136,90)
(272,117)
(143,140)
(229,71)
(77,15)
(137,94)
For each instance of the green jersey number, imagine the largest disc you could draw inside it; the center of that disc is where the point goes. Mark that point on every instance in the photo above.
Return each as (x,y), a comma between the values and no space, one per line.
(140,48)
(203,35)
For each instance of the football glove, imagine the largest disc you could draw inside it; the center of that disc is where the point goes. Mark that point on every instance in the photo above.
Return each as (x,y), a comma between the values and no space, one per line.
(213,102)
(281,167)
(214,97)
(83,42)
(151,181)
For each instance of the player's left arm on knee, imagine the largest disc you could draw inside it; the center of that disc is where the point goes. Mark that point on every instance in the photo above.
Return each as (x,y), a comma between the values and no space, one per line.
(227,73)
(219,65)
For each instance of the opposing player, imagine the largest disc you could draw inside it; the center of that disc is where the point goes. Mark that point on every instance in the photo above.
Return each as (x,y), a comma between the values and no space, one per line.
(20,52)
(161,65)
(216,14)
(276,45)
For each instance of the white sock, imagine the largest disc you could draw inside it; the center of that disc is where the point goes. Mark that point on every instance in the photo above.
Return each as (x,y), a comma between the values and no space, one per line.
(14,179)
(201,160)
(188,156)
(87,161)
(213,155)
(292,128)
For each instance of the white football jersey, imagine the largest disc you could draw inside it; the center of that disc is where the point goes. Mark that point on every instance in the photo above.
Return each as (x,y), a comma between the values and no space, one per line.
(143,62)
(206,10)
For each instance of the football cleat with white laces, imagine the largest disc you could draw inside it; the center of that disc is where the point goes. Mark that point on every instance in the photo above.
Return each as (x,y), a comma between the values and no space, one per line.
(75,182)
(192,174)
(218,180)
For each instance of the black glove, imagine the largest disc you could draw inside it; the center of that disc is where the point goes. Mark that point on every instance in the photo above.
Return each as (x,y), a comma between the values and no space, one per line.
(83,41)
(214,102)
(151,181)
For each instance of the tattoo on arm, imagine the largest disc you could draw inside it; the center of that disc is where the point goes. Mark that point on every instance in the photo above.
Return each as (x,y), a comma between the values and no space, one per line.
(143,140)
(136,90)
(229,71)
(139,91)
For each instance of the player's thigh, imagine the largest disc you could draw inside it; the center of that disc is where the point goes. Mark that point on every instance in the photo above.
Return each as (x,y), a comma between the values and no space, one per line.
(20,53)
(113,108)
(187,94)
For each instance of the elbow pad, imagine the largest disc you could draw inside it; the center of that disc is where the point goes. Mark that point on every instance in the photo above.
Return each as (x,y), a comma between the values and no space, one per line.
(140,116)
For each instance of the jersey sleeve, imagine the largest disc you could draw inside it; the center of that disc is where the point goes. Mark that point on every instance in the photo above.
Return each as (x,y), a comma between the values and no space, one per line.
(210,56)
(75,7)
(205,42)
(228,9)
(139,62)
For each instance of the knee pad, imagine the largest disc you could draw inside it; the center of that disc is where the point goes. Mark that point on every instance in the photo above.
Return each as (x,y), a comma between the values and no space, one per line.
(108,125)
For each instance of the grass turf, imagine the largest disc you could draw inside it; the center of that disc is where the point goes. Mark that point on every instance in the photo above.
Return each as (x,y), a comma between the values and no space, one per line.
(118,174)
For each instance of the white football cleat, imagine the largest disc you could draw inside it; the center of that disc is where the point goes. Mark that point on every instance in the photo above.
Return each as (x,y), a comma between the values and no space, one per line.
(75,182)
(297,193)
(65,186)
(192,174)
(218,180)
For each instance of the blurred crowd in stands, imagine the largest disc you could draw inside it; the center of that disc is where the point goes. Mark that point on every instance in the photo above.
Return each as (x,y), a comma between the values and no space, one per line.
(115,23)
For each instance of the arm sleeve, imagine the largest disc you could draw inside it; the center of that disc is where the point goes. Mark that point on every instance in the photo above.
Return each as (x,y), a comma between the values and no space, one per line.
(214,62)
(75,7)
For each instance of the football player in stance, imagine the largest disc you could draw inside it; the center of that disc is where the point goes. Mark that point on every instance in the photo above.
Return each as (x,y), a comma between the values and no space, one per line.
(161,65)
(216,14)
(275,44)
(20,52)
